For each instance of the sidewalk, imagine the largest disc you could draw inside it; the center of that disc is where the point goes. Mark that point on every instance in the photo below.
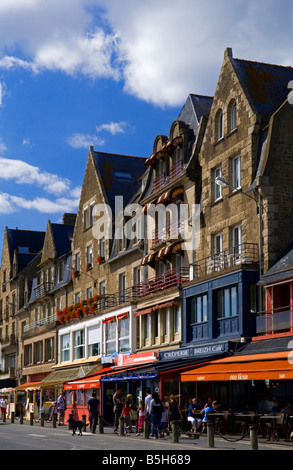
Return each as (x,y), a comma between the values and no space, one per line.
(185,441)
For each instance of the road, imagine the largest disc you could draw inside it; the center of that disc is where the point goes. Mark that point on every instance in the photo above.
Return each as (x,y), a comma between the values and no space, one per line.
(111,447)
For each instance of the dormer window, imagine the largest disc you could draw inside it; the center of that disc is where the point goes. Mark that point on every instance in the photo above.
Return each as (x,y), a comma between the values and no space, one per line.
(23,249)
(123,176)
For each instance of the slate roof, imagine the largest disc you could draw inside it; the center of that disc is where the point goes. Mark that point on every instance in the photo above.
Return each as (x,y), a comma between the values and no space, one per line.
(109,165)
(33,240)
(267,84)
(194,108)
(62,238)
(281,270)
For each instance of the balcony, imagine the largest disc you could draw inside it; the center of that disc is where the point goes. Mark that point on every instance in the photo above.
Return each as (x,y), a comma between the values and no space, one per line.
(43,289)
(275,321)
(176,170)
(244,254)
(174,231)
(174,278)
(44,321)
(159,181)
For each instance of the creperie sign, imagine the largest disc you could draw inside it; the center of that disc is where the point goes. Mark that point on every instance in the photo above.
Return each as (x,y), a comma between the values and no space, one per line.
(131,359)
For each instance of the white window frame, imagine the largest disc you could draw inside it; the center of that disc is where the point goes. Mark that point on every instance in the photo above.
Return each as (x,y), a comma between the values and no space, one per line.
(236,173)
(218,188)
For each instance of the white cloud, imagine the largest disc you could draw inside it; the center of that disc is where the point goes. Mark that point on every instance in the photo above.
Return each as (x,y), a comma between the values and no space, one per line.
(10,204)
(24,173)
(78,141)
(113,127)
(3,146)
(161,49)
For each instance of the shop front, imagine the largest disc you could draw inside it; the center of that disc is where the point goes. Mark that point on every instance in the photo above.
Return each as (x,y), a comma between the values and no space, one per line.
(244,381)
(78,393)
(132,373)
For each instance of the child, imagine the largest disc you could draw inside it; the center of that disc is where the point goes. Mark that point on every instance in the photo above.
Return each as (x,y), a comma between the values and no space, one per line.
(141,416)
(164,421)
(126,415)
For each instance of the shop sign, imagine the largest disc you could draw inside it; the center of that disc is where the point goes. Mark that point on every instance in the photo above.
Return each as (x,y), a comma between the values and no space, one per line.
(128,377)
(193,352)
(109,359)
(131,359)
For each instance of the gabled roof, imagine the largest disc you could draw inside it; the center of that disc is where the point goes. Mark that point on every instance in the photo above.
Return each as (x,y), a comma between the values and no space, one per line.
(62,235)
(25,243)
(120,175)
(267,84)
(281,270)
(194,108)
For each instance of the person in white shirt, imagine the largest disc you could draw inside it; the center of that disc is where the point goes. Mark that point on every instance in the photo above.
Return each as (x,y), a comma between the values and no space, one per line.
(3,406)
(147,401)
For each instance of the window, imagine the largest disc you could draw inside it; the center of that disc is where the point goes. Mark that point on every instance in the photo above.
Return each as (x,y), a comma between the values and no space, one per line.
(233,116)
(89,254)
(137,277)
(199,309)
(123,175)
(92,214)
(77,297)
(38,352)
(122,287)
(237,239)
(77,261)
(89,292)
(94,341)
(65,348)
(227,305)
(218,243)
(49,349)
(86,218)
(236,173)
(78,344)
(110,337)
(28,355)
(123,334)
(23,249)
(217,187)
(219,125)
(103,247)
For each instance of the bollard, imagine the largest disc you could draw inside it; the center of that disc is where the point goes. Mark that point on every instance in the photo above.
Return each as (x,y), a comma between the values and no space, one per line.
(12,417)
(54,420)
(31,419)
(175,431)
(83,419)
(42,419)
(253,438)
(21,417)
(121,426)
(4,417)
(100,424)
(146,429)
(210,434)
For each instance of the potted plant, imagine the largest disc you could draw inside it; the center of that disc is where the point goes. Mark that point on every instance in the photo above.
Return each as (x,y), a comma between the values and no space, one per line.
(88,266)
(100,259)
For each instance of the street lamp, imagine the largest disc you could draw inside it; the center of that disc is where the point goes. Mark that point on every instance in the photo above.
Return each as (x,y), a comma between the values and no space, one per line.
(223,183)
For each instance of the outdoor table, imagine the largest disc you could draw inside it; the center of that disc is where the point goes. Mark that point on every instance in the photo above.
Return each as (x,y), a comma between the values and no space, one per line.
(269,418)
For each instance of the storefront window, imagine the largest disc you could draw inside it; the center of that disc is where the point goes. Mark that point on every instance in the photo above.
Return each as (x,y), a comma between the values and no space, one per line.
(227,302)
(94,341)
(65,348)
(78,351)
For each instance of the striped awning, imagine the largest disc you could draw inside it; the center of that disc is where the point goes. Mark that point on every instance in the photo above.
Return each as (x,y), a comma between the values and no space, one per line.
(165,148)
(167,195)
(169,249)
(149,258)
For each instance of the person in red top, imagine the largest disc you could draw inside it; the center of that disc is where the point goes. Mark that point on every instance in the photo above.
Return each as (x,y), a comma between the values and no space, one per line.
(126,415)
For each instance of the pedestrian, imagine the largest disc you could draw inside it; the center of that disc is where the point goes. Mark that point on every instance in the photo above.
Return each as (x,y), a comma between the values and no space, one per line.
(164,421)
(60,406)
(93,409)
(117,409)
(133,413)
(208,408)
(147,401)
(141,416)
(174,412)
(126,410)
(3,406)
(156,409)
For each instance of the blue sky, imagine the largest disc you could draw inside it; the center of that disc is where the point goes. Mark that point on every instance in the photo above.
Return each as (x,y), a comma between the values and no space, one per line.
(113,74)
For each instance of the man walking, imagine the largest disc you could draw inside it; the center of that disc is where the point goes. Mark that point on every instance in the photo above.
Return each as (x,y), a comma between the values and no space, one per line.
(93,409)
(61,407)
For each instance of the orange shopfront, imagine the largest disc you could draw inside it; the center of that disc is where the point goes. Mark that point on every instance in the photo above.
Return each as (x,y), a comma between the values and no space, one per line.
(78,393)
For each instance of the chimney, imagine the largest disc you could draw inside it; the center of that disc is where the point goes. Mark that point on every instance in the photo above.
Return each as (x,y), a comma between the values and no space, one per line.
(68,219)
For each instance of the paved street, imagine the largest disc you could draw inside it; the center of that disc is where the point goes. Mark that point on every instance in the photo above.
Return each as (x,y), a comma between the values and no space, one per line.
(25,437)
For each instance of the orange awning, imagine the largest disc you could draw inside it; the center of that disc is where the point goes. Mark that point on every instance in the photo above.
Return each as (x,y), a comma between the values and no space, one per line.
(29,386)
(274,366)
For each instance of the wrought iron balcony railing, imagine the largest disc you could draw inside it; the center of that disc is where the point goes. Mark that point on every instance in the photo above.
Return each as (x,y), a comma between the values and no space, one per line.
(165,281)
